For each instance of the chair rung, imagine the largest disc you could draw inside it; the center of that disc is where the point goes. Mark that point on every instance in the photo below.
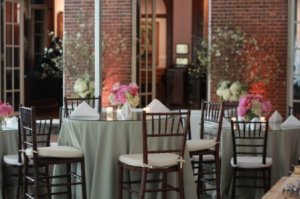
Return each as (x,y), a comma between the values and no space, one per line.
(245,186)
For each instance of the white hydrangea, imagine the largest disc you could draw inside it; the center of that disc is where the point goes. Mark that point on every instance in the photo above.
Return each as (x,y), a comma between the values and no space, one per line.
(226,94)
(229,91)
(235,88)
(81,87)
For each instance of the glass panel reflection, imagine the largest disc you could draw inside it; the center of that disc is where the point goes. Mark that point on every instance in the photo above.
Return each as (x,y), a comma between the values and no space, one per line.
(16,34)
(16,12)
(8,39)
(17,57)
(16,79)
(8,57)
(8,9)
(9,79)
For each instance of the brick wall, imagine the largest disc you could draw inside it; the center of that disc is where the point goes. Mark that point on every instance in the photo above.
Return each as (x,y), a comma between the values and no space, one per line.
(117,41)
(77,40)
(259,19)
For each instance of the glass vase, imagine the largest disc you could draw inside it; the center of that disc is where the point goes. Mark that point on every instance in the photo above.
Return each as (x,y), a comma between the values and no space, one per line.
(2,123)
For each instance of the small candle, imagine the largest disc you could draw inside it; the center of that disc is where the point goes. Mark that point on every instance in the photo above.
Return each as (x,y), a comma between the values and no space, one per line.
(109,113)
(109,109)
(147,109)
(234,125)
(262,119)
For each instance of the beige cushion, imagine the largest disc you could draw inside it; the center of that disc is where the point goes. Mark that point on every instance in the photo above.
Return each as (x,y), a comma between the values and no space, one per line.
(12,160)
(251,162)
(53,144)
(56,152)
(204,158)
(155,160)
(200,144)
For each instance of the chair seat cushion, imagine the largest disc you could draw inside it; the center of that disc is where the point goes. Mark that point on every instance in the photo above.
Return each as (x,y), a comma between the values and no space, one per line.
(200,144)
(155,160)
(251,162)
(57,152)
(12,160)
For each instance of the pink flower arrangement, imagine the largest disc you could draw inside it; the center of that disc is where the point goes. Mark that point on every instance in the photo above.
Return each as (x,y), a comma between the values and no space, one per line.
(252,105)
(5,109)
(121,93)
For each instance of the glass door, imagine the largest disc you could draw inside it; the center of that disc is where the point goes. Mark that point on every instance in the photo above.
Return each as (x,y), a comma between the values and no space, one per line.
(146,50)
(12,52)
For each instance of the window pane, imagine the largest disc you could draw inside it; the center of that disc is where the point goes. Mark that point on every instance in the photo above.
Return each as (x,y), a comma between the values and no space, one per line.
(17,79)
(8,11)
(16,12)
(8,79)
(8,57)
(16,34)
(8,34)
(17,57)
(16,100)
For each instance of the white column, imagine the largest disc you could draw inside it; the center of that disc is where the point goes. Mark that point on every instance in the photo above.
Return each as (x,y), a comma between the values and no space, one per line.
(98,48)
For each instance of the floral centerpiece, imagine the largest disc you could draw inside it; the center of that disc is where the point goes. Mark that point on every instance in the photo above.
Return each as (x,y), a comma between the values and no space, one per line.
(231,91)
(121,93)
(84,86)
(5,110)
(251,106)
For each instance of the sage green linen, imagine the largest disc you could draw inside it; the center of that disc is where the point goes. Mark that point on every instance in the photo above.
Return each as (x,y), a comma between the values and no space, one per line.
(102,143)
(283,147)
(8,146)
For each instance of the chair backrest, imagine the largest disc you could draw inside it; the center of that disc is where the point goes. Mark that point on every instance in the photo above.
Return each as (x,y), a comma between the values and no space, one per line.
(294,110)
(72,103)
(165,133)
(249,139)
(230,109)
(35,132)
(211,112)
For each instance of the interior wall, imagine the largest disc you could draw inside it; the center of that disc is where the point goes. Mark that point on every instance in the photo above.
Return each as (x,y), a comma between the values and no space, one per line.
(182,26)
(58,7)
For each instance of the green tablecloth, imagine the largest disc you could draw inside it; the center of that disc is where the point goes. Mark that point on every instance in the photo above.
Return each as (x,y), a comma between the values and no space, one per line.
(283,147)
(8,145)
(102,143)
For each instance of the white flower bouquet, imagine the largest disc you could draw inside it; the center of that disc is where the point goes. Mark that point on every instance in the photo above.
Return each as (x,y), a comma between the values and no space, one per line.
(84,86)
(231,91)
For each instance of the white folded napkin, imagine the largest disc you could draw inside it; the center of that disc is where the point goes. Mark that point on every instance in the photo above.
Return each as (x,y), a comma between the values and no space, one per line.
(290,123)
(85,111)
(12,122)
(156,106)
(226,123)
(125,113)
(275,117)
(275,126)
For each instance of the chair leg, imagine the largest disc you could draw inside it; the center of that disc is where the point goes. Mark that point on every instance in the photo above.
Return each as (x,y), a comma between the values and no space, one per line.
(143,183)
(180,183)
(218,174)
(265,179)
(120,186)
(83,181)
(269,178)
(233,184)
(20,178)
(48,181)
(69,180)
(164,185)
(199,177)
